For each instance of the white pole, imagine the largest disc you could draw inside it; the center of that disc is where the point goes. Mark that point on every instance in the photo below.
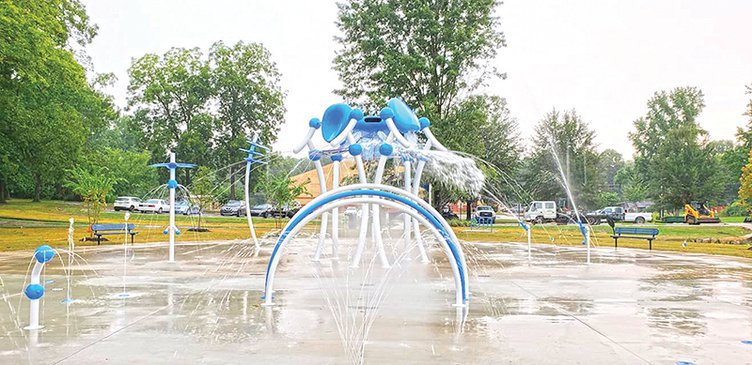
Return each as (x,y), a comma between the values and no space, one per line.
(34,315)
(71,249)
(34,291)
(587,241)
(363,233)
(335,211)
(325,216)
(248,207)
(529,244)
(376,222)
(171,228)
(125,250)
(34,303)
(406,219)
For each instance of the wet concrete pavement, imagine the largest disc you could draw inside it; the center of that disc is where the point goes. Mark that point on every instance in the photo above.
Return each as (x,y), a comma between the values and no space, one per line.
(627,307)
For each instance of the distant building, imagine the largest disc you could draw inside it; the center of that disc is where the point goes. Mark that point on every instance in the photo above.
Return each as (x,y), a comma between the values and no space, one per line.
(347,173)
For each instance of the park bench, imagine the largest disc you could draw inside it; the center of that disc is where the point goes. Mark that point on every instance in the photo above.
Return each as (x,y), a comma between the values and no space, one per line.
(635,232)
(100,230)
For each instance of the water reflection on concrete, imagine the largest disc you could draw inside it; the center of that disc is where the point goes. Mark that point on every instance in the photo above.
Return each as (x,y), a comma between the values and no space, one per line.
(629,306)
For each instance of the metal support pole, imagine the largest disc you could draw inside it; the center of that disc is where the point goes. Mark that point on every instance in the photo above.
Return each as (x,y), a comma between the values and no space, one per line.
(171,228)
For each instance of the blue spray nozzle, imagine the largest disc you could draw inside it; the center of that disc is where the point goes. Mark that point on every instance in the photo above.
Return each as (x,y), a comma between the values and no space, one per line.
(583,231)
(524,225)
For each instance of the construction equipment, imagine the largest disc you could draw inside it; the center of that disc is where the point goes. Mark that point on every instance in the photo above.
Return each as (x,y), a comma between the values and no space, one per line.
(697,212)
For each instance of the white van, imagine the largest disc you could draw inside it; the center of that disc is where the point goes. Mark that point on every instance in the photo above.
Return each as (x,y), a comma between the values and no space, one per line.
(541,211)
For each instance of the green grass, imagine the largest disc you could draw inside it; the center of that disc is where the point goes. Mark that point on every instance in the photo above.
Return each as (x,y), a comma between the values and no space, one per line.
(25,225)
(732,219)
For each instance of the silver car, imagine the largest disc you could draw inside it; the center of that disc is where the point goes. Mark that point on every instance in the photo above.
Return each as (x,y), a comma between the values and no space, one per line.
(126,203)
(154,206)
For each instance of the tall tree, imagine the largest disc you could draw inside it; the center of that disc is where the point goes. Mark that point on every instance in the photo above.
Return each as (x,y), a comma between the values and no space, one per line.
(482,126)
(48,106)
(631,186)
(567,136)
(204,107)
(736,159)
(610,162)
(672,151)
(430,53)
(249,99)
(169,95)
(435,55)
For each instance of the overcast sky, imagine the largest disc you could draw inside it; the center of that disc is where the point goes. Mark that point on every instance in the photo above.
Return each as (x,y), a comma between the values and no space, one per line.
(603,58)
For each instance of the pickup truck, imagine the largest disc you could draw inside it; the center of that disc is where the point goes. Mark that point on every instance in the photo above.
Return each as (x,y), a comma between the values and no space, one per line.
(619,215)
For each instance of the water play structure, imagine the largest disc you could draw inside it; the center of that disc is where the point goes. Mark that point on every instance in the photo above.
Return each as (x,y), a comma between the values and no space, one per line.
(172,184)
(35,291)
(253,158)
(393,134)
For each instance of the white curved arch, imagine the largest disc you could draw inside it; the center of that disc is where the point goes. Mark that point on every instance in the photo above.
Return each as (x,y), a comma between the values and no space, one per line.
(460,291)
(413,197)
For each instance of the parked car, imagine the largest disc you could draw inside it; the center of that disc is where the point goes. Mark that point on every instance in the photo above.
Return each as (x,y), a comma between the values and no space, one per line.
(126,203)
(233,207)
(485,212)
(184,207)
(287,210)
(617,214)
(261,210)
(154,206)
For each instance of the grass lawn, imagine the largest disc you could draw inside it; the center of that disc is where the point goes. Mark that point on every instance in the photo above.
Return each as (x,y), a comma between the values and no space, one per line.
(732,219)
(25,225)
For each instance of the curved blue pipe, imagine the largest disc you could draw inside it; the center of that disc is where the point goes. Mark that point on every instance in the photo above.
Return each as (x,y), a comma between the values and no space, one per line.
(309,209)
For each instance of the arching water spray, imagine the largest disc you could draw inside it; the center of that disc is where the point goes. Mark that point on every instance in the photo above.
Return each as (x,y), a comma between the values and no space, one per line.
(584,229)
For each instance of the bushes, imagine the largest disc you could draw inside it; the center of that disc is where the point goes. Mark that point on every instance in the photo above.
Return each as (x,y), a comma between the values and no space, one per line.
(458,223)
(734,210)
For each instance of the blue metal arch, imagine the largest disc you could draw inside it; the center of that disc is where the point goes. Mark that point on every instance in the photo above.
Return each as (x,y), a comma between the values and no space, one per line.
(311,208)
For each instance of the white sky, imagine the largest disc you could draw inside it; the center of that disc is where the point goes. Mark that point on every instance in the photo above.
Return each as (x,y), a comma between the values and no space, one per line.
(603,58)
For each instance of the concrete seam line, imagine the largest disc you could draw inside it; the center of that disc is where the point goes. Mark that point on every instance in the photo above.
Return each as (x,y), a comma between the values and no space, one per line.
(111,334)
(587,325)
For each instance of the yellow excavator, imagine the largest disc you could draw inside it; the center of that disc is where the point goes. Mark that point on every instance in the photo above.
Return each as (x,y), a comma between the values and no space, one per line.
(697,212)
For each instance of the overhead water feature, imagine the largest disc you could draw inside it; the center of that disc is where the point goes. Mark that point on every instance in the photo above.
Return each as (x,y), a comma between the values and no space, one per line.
(172,184)
(389,137)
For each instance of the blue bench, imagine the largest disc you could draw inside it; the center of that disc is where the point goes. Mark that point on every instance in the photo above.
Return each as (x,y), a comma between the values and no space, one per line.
(635,232)
(105,229)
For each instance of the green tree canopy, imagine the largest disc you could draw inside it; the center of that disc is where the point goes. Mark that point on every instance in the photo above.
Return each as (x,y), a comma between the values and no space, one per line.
(205,106)
(49,108)
(574,143)
(673,153)
(428,52)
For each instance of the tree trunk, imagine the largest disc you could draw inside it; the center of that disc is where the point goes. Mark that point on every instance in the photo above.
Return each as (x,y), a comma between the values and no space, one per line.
(468,210)
(2,191)
(37,187)
(232,183)
(187,181)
